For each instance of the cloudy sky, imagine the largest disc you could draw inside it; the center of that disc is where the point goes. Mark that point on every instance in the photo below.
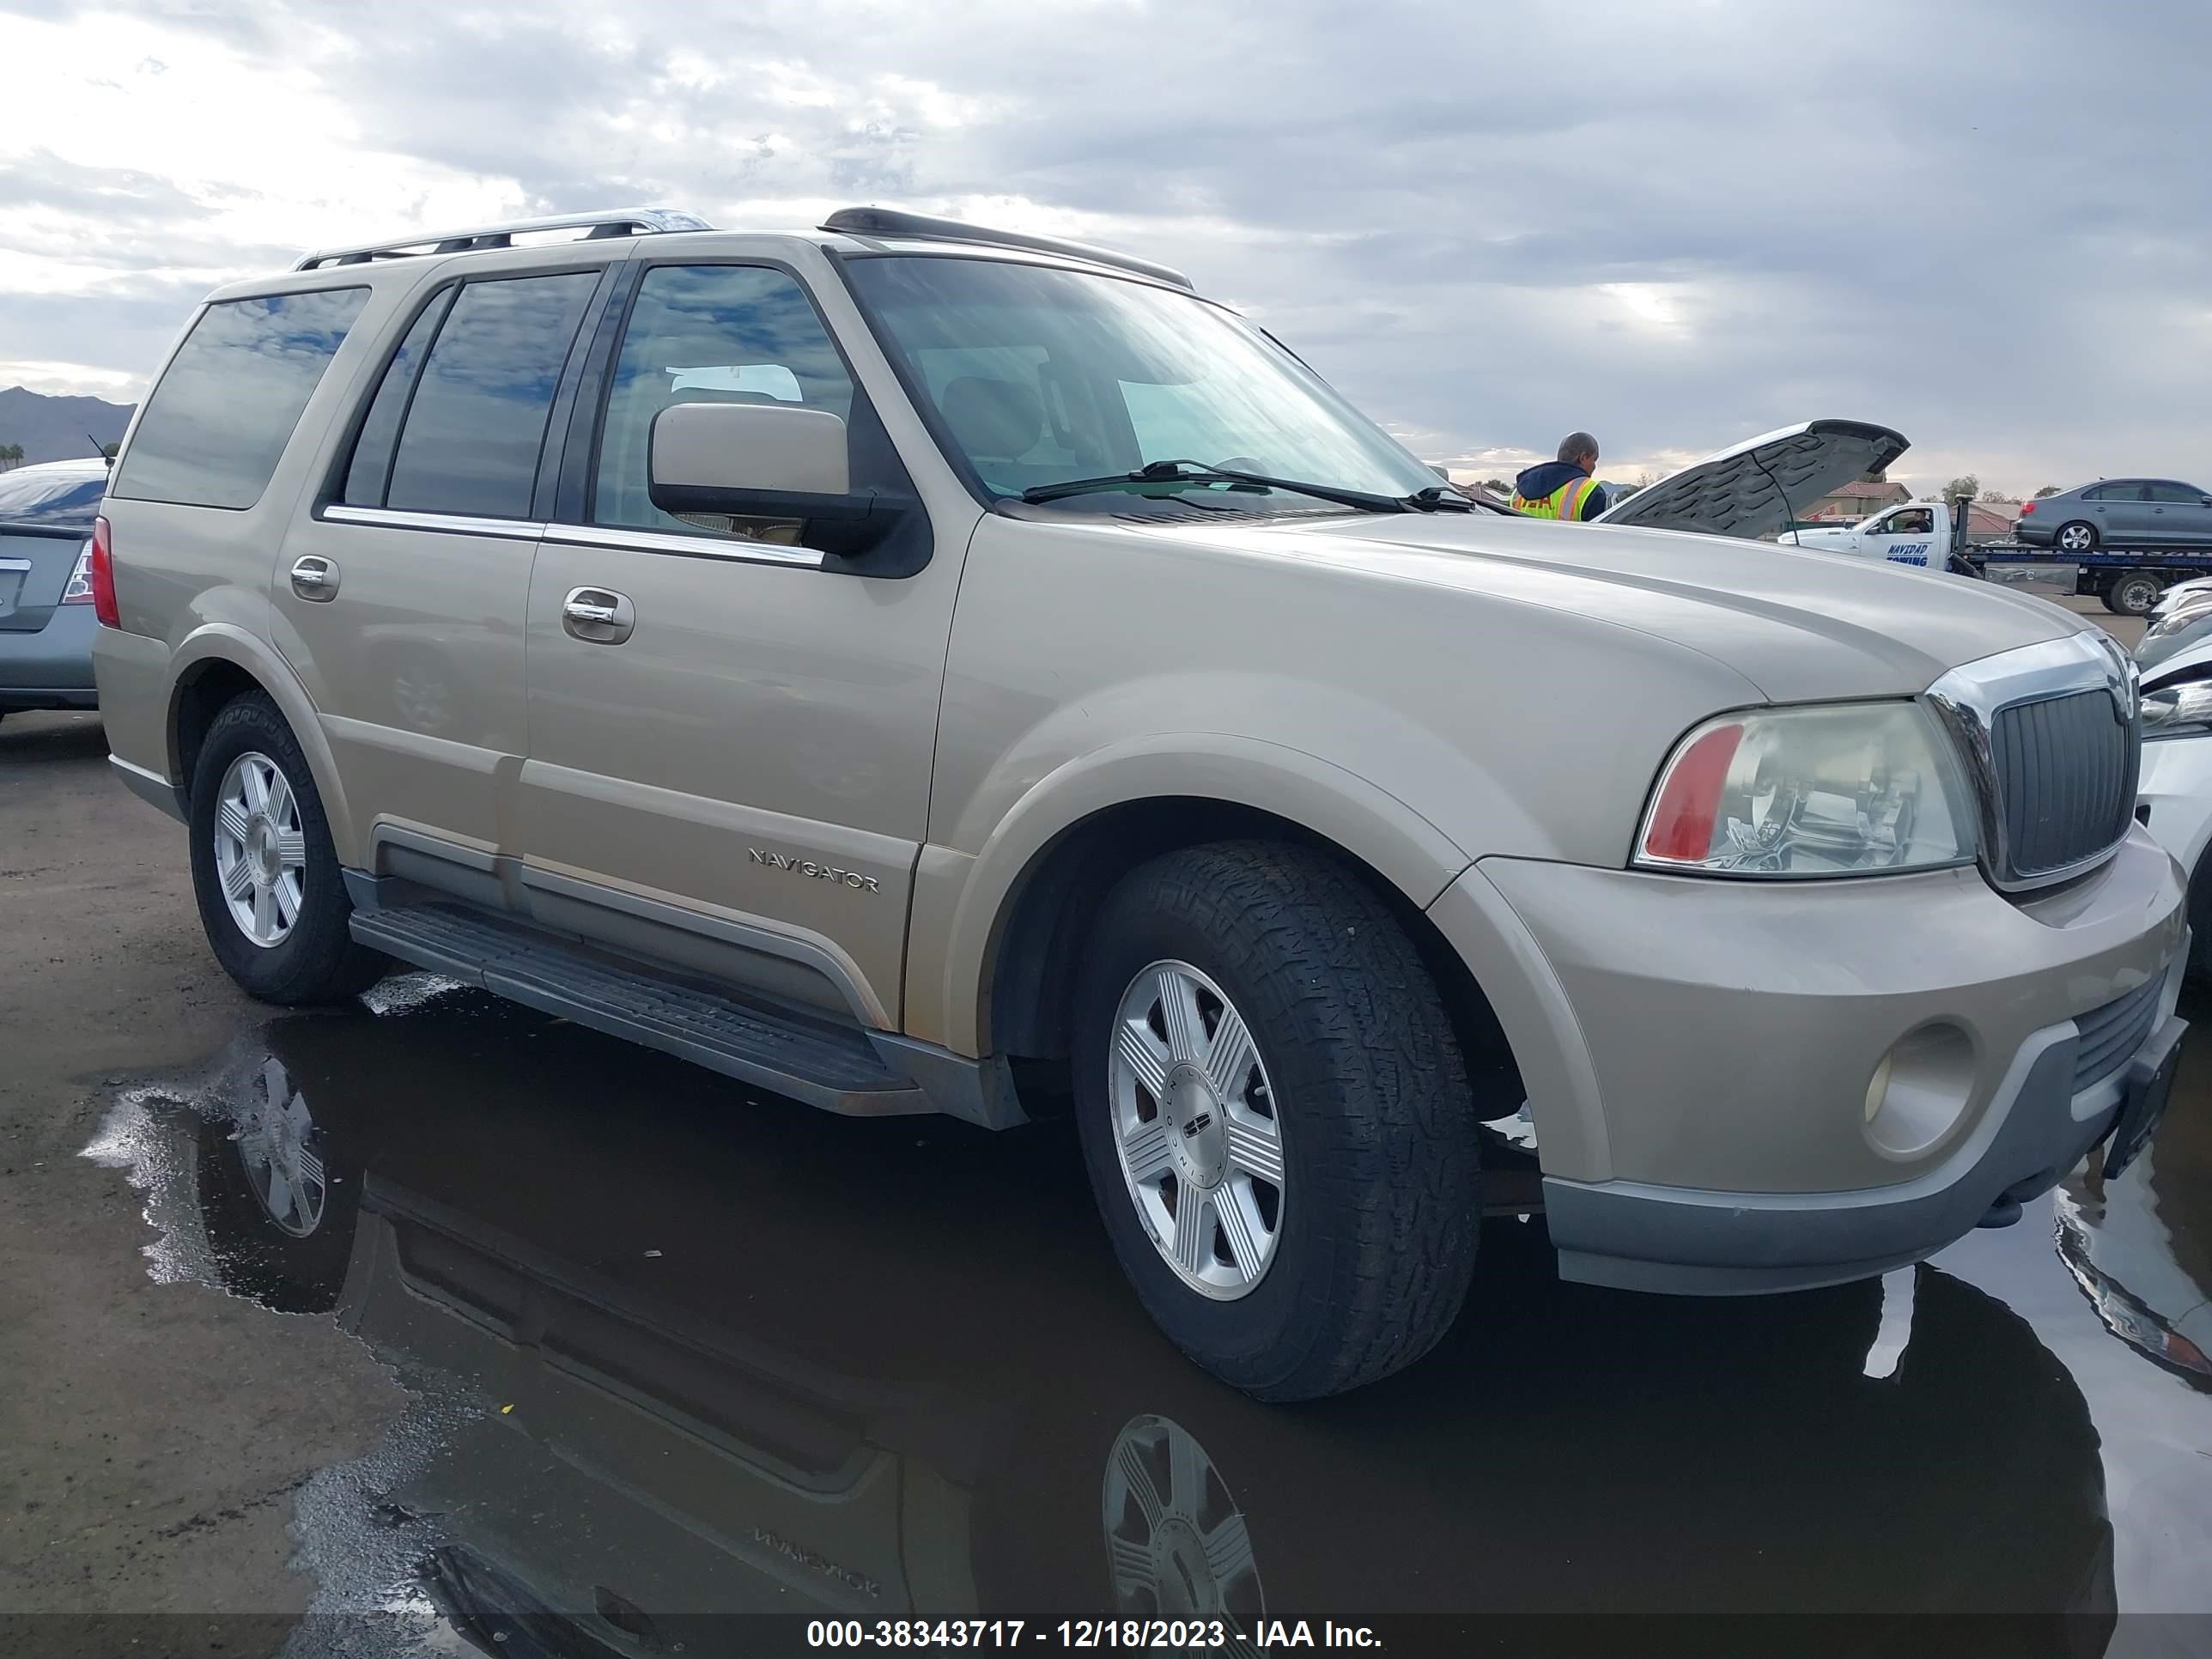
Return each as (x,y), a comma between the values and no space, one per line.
(1985,223)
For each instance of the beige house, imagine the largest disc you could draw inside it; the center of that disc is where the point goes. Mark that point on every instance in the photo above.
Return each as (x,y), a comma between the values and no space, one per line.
(1857,499)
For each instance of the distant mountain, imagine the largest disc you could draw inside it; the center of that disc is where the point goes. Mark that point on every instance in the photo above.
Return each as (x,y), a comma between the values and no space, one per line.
(58,428)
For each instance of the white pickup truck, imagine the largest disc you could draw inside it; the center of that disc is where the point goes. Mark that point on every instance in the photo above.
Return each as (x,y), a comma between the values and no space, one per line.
(1924,535)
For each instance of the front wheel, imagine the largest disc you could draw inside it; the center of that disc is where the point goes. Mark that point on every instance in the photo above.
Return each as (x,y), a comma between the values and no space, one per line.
(271,897)
(1276,1118)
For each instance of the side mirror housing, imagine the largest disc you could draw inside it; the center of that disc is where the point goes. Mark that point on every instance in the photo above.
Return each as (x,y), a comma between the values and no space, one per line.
(781,461)
(749,460)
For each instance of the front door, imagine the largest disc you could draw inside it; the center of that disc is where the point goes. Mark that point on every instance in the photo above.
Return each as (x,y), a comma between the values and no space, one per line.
(401,601)
(1906,535)
(2179,515)
(729,744)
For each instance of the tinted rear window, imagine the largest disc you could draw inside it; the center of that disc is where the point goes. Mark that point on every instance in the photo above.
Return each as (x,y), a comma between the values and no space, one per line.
(472,435)
(216,425)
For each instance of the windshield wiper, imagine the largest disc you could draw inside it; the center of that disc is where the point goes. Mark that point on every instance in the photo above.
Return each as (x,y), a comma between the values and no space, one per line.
(1199,472)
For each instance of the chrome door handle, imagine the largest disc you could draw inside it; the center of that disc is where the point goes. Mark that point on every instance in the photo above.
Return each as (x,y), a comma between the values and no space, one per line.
(314,579)
(597,616)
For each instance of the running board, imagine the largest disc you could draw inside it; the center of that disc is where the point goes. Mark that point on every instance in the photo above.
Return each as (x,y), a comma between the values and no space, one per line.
(838,1069)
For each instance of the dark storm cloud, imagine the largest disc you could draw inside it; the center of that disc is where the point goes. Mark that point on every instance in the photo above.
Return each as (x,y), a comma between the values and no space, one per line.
(1986,222)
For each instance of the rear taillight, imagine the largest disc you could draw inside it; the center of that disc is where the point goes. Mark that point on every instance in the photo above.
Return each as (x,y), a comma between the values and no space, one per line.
(79,589)
(2027,507)
(99,561)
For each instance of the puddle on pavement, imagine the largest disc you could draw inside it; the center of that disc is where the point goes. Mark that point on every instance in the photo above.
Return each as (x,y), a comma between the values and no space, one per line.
(675,1353)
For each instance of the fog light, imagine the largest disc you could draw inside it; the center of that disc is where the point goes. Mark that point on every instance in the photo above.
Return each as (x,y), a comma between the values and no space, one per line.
(1920,1091)
(1877,1088)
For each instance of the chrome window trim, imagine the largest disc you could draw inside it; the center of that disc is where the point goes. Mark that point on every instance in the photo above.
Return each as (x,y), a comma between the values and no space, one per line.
(1969,698)
(736,549)
(456,524)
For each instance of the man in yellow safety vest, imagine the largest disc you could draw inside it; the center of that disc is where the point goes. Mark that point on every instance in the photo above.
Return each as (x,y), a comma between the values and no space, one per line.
(1563,488)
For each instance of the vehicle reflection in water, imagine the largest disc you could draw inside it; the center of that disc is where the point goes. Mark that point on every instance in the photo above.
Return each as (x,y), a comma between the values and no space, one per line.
(735,1360)
(2141,1247)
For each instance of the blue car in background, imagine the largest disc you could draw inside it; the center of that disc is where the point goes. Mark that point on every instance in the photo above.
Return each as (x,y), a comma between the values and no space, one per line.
(47,618)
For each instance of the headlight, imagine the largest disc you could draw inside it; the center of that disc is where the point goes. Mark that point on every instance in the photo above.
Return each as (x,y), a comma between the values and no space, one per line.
(2178,711)
(1841,789)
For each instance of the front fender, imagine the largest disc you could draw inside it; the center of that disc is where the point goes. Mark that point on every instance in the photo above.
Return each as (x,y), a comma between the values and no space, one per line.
(961,902)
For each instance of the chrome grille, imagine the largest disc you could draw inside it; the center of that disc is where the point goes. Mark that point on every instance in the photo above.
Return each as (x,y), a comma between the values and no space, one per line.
(2065,770)
(2112,1034)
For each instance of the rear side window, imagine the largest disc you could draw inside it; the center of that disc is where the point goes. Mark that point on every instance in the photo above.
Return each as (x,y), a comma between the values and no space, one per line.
(370,472)
(216,425)
(471,440)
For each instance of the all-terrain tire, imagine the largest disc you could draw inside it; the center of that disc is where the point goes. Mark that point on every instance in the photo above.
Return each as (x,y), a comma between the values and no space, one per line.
(318,960)
(1380,1203)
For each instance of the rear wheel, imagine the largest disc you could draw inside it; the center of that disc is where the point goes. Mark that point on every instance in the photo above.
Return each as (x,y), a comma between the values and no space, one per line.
(2076,536)
(2134,594)
(271,897)
(1276,1118)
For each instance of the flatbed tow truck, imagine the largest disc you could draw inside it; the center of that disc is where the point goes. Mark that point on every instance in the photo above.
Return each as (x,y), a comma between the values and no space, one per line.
(2129,580)
(1931,535)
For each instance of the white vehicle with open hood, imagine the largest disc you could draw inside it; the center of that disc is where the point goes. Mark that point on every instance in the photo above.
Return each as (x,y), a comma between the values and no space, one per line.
(1761,487)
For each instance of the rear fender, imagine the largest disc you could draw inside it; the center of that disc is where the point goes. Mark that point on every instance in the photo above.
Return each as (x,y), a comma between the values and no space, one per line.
(228,642)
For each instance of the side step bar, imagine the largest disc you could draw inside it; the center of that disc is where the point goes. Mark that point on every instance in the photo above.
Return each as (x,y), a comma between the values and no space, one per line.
(836,1068)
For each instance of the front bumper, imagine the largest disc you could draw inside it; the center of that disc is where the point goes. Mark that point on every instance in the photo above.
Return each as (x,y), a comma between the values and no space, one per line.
(50,668)
(1697,1053)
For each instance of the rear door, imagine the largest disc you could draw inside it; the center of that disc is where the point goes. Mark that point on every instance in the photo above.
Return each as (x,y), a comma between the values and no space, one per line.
(2118,510)
(401,599)
(2178,513)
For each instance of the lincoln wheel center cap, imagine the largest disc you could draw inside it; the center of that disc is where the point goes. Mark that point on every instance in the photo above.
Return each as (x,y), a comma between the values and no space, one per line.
(1198,1128)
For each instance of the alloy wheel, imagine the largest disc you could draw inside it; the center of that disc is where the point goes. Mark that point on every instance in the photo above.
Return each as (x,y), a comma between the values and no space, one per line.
(260,849)
(1194,1121)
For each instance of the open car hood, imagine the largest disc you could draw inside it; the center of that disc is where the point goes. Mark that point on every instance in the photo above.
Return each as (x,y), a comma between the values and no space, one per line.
(1757,487)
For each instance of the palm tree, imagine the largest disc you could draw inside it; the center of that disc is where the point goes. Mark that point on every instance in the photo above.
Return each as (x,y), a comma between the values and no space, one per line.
(11,454)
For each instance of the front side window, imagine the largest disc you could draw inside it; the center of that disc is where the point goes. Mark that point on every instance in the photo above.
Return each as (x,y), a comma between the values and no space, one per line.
(2176,494)
(729,334)
(476,425)
(217,424)
(1038,375)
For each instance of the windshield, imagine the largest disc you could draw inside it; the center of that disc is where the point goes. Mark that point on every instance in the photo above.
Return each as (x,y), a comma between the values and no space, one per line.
(1040,376)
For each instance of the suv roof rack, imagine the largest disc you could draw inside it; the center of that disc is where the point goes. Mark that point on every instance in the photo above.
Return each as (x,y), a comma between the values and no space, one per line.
(892,222)
(618,222)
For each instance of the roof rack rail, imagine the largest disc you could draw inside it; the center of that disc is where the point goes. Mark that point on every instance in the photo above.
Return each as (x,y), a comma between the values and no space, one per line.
(893,222)
(619,221)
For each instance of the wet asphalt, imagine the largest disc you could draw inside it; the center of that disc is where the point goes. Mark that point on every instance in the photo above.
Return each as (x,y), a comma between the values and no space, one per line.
(432,1325)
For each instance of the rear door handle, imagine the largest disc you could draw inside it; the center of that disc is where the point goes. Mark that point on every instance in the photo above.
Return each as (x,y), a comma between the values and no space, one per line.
(597,616)
(315,578)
